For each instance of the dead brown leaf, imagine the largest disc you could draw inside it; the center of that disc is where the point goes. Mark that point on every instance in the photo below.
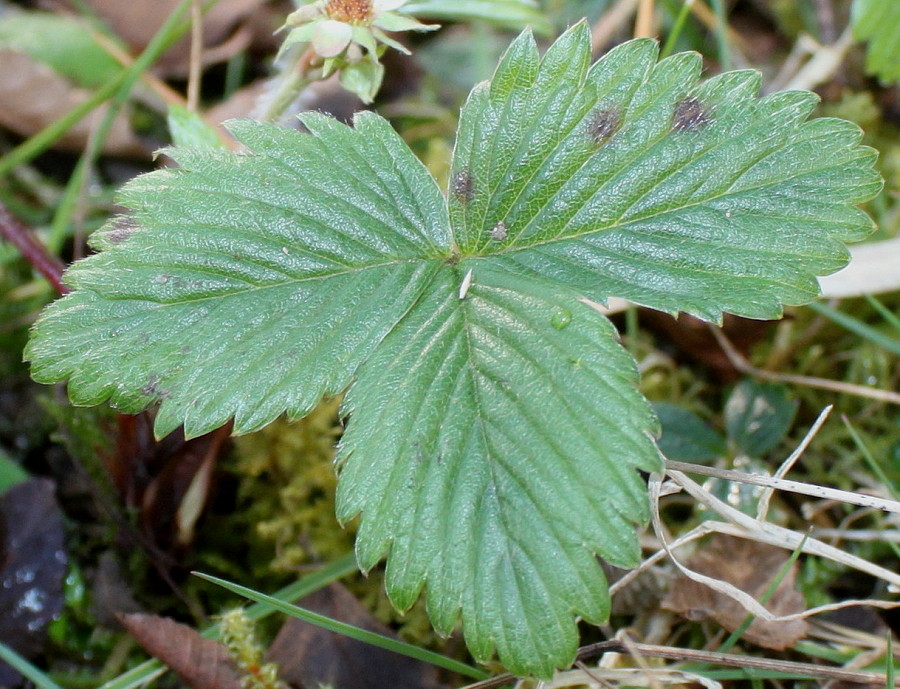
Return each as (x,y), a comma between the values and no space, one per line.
(309,656)
(199,662)
(226,28)
(751,567)
(34,96)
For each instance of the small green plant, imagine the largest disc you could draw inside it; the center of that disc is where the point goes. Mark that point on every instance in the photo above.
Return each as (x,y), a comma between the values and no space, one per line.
(495,433)
(878,23)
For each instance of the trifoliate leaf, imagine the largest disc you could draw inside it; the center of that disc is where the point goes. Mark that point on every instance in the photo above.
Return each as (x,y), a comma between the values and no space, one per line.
(495,430)
(878,23)
(685,436)
(492,451)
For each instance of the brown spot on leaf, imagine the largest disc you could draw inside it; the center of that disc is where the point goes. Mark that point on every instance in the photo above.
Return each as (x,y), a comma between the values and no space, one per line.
(123,227)
(499,232)
(603,124)
(690,115)
(152,389)
(461,186)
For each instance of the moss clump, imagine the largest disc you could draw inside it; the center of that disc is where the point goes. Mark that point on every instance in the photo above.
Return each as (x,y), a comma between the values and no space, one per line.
(238,636)
(286,488)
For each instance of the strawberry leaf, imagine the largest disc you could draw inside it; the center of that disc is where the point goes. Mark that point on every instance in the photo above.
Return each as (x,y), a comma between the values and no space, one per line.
(495,432)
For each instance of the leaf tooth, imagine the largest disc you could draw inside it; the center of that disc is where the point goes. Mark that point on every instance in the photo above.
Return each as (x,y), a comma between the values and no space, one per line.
(623,69)
(518,67)
(566,60)
(786,109)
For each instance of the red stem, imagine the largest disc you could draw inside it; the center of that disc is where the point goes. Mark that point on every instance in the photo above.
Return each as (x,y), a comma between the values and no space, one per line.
(20,236)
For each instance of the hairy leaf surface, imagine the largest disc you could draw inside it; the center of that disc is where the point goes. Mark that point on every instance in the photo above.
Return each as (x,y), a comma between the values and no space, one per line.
(495,433)
(248,285)
(631,179)
(493,451)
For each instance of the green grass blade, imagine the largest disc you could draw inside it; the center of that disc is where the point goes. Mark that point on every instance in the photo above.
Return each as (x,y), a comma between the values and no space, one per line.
(349,630)
(169,32)
(344,565)
(857,327)
(875,467)
(173,28)
(677,28)
(44,139)
(38,678)
(722,34)
(889,659)
(883,311)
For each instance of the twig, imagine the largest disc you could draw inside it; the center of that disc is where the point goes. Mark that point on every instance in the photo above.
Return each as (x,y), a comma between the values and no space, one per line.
(825,17)
(708,18)
(762,507)
(193,90)
(21,237)
(744,366)
(594,676)
(872,535)
(643,26)
(766,532)
(810,489)
(610,22)
(154,83)
(823,65)
(690,655)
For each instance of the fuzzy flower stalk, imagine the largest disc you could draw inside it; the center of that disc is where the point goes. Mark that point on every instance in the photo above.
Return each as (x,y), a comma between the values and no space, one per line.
(346,37)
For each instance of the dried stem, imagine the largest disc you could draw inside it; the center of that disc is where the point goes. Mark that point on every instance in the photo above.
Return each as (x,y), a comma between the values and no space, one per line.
(643,26)
(711,657)
(811,489)
(20,236)
(744,366)
(193,90)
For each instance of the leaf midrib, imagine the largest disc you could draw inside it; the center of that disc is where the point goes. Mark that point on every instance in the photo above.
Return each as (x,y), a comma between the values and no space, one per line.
(662,137)
(310,278)
(619,225)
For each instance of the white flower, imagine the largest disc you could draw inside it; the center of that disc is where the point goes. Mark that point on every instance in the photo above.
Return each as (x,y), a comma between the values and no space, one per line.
(332,25)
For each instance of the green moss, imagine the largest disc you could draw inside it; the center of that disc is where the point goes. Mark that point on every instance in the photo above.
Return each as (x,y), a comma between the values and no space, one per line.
(239,637)
(286,488)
